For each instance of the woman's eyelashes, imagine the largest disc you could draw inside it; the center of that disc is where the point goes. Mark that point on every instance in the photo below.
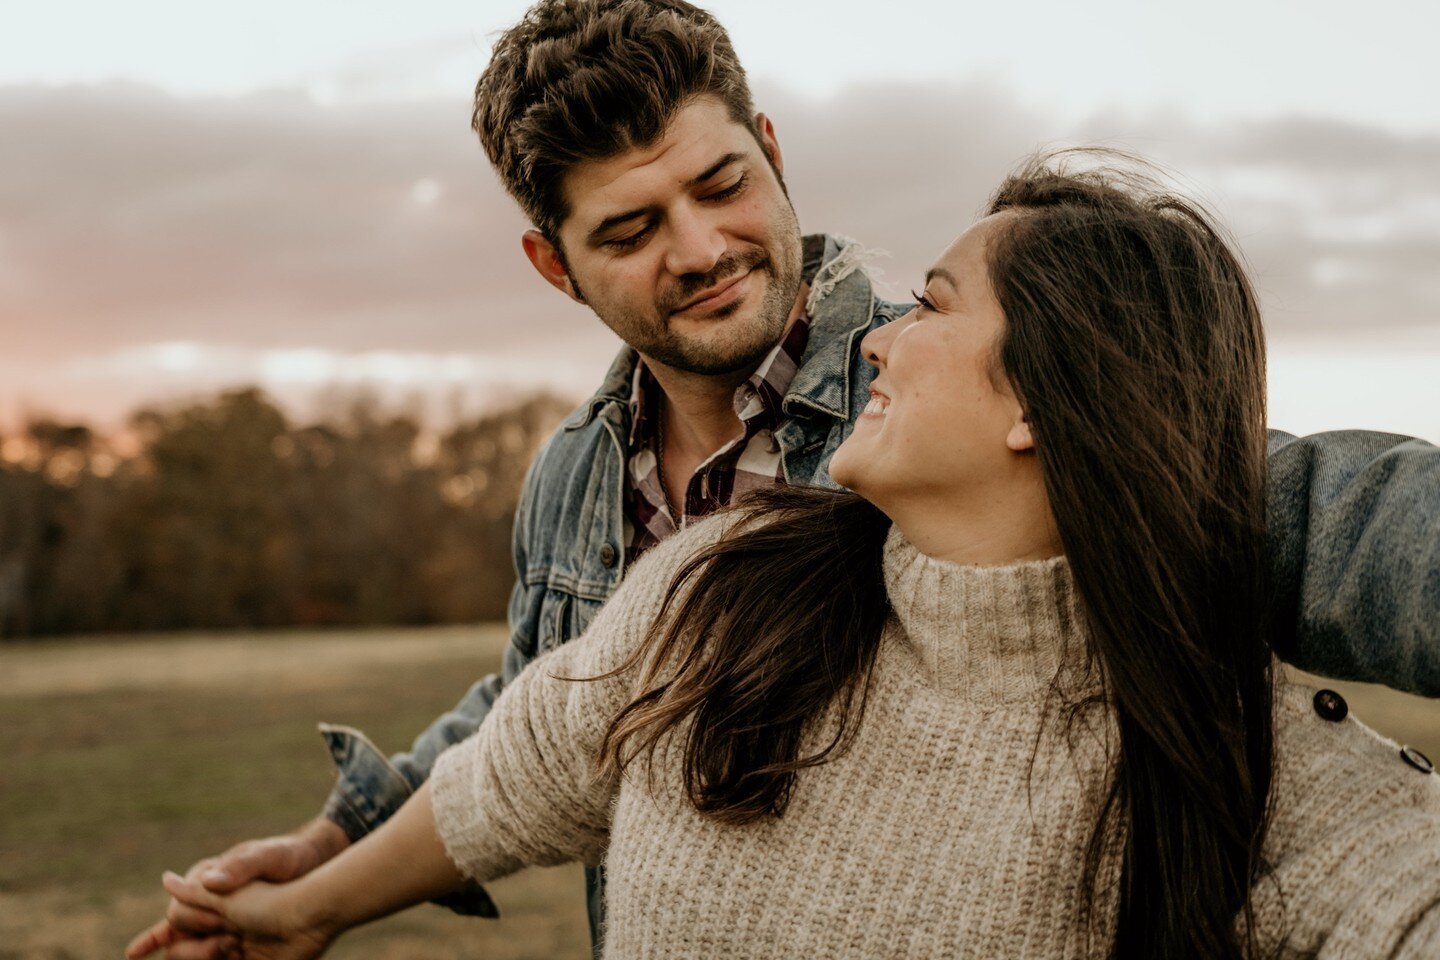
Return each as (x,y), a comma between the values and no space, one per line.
(922,300)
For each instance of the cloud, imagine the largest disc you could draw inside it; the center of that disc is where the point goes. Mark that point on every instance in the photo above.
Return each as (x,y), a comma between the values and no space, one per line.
(275,225)
(908,168)
(132,217)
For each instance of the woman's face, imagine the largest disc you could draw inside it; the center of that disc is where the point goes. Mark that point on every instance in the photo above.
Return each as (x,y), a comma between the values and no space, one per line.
(941,419)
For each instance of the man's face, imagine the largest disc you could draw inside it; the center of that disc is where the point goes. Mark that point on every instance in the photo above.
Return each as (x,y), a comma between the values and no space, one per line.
(688,249)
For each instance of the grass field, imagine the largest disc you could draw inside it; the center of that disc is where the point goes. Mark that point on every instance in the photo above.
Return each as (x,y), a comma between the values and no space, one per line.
(123,758)
(120,758)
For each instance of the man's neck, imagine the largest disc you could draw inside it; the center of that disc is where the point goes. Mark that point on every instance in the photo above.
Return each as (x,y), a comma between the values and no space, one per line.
(699,409)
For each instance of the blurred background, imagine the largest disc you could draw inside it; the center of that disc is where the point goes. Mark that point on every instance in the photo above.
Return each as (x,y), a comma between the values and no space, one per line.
(273,363)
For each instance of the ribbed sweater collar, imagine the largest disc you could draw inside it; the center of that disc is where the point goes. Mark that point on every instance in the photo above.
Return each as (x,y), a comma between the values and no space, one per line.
(990,634)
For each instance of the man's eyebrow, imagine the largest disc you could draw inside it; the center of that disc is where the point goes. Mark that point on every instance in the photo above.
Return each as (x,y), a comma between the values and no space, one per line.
(943,274)
(715,168)
(609,223)
(604,226)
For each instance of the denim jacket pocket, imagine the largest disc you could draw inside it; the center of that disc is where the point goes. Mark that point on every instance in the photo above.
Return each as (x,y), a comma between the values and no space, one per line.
(554,620)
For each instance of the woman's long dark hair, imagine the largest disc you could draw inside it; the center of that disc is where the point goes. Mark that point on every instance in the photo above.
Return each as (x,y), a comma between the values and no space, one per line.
(1134,344)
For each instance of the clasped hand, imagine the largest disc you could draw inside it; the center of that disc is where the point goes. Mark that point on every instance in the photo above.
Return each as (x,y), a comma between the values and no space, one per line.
(195,933)
(267,920)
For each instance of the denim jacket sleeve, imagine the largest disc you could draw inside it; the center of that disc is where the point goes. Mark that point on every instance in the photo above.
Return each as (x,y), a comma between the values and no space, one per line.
(1355,544)
(369,788)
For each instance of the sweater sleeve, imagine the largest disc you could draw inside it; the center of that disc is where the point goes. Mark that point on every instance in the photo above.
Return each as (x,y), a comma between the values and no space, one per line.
(523,790)
(1354,845)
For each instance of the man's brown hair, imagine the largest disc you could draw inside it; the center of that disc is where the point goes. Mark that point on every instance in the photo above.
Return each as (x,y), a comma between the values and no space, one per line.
(580,80)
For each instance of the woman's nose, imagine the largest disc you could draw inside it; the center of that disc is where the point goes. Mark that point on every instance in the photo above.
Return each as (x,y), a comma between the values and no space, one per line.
(875,348)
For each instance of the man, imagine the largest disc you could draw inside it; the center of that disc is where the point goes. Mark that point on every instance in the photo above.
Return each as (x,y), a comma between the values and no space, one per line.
(625,130)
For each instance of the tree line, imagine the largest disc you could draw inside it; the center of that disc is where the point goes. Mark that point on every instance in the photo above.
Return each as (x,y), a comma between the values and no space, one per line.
(224,513)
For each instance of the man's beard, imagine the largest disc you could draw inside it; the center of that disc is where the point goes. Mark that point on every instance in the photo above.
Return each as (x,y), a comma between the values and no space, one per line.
(750,341)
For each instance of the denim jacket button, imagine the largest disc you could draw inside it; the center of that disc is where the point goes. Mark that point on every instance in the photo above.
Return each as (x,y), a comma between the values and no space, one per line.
(1331,706)
(607,555)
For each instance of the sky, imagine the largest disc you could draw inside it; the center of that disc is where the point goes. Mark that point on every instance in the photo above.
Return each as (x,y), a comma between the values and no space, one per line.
(193,196)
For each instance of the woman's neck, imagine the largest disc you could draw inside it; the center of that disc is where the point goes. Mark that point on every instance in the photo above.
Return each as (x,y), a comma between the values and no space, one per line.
(1003,523)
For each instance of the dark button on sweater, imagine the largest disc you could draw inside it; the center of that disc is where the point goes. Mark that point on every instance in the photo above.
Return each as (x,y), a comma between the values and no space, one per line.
(1331,706)
(1417,759)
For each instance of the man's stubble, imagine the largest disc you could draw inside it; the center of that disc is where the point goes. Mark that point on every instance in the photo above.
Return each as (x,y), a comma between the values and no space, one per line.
(749,342)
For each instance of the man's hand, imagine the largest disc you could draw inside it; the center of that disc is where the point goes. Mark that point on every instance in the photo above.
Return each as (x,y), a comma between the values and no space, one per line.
(193,933)
(272,921)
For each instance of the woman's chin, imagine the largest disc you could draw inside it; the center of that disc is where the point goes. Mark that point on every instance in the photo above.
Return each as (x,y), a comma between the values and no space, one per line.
(848,468)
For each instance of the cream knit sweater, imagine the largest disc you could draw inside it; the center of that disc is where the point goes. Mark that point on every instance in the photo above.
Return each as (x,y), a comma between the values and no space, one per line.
(934,835)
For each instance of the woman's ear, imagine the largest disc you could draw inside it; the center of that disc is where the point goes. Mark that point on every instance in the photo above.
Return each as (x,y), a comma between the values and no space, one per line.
(1020,439)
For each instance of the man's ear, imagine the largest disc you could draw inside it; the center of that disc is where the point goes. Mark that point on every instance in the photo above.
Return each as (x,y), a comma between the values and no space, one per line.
(1020,439)
(766,130)
(545,258)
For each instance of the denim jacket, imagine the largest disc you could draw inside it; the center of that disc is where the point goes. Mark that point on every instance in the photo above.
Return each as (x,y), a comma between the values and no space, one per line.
(1354,518)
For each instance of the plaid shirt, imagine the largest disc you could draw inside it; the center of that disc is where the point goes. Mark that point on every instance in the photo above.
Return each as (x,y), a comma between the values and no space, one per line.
(748,462)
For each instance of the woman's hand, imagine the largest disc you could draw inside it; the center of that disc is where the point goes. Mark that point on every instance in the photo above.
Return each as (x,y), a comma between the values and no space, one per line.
(270,921)
(275,859)
(399,865)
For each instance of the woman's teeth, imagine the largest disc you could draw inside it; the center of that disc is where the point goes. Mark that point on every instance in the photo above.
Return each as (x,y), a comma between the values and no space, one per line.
(877,405)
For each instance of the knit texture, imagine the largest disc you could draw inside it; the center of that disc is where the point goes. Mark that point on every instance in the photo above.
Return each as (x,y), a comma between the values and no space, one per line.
(956,823)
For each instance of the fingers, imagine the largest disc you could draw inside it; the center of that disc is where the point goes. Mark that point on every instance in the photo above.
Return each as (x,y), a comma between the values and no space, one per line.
(181,947)
(190,921)
(148,941)
(210,948)
(192,893)
(277,860)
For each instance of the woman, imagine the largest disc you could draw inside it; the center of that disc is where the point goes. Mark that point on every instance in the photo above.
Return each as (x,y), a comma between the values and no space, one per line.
(1010,698)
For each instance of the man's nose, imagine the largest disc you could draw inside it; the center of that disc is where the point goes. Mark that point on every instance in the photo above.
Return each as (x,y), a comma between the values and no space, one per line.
(696,245)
